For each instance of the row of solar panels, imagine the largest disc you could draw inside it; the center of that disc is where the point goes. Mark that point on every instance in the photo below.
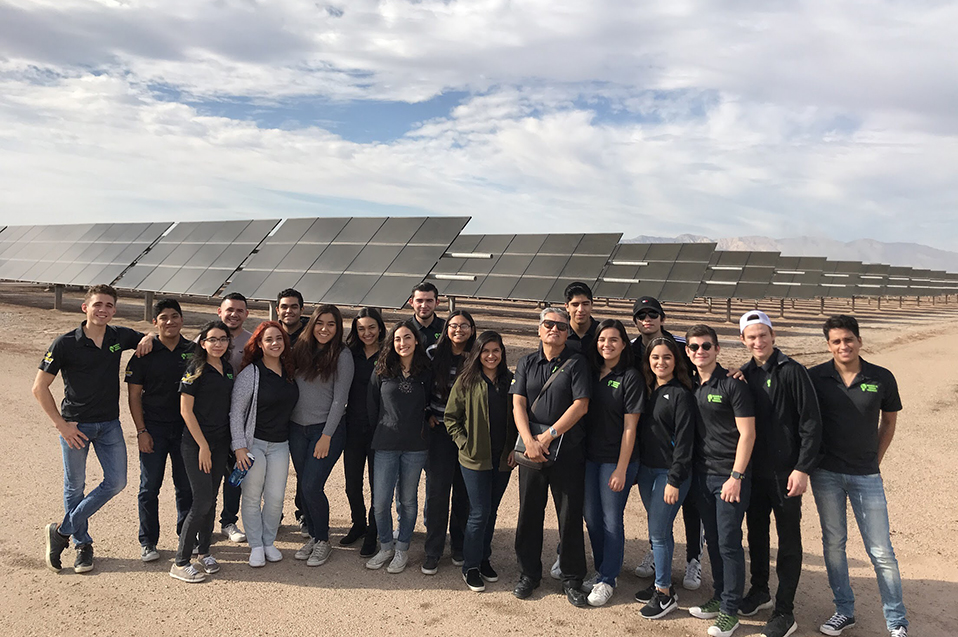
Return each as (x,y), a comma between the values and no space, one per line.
(376,261)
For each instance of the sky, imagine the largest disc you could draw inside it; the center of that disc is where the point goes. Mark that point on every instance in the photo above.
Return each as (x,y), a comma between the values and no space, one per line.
(764,117)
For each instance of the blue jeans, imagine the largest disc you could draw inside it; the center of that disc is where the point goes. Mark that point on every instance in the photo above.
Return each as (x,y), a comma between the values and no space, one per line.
(107,440)
(264,490)
(603,511)
(399,472)
(723,537)
(166,442)
(485,490)
(867,496)
(652,483)
(312,473)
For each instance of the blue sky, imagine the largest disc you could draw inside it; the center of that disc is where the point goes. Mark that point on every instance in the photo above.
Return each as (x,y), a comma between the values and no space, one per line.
(723,119)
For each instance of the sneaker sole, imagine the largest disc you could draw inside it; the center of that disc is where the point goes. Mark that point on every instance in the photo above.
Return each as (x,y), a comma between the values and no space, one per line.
(762,606)
(51,529)
(376,567)
(489,579)
(691,586)
(474,589)
(833,632)
(701,615)
(665,611)
(724,633)
(210,571)
(150,558)
(395,571)
(312,562)
(788,632)
(187,579)
(84,568)
(429,571)
(274,559)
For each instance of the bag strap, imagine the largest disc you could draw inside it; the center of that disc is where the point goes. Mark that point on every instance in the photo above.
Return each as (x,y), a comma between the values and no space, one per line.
(548,384)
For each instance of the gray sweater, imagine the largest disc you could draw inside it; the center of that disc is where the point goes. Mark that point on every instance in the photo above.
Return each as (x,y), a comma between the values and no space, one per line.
(325,402)
(243,407)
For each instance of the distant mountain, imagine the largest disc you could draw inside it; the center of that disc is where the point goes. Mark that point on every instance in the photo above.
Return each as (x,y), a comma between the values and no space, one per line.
(866,250)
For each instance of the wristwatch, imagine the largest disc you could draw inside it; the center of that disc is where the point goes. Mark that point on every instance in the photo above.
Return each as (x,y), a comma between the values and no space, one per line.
(737,475)
(553,432)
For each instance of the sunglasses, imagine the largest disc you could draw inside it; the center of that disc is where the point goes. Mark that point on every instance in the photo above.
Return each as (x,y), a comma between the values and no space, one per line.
(694,347)
(652,314)
(548,324)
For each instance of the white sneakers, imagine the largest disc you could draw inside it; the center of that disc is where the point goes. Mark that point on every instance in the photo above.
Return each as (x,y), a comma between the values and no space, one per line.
(601,593)
(272,553)
(306,551)
(647,567)
(257,557)
(233,533)
(320,555)
(400,559)
(380,559)
(693,576)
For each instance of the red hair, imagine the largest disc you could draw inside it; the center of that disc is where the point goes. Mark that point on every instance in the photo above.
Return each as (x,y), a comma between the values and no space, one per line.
(253,351)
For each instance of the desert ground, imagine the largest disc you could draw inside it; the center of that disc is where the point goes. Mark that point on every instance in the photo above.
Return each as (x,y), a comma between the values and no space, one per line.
(123,596)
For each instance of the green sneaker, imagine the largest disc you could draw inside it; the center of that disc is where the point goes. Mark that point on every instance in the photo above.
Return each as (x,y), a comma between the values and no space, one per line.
(724,626)
(708,610)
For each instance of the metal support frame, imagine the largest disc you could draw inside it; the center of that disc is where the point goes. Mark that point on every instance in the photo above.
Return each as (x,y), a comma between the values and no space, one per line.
(58,297)
(821,308)
(272,311)
(452,304)
(728,310)
(148,298)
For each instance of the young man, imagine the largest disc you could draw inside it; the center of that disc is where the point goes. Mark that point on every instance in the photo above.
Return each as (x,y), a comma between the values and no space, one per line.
(578,303)
(788,437)
(721,479)
(233,311)
(860,404)
(423,301)
(153,382)
(89,414)
(649,319)
(556,415)
(289,311)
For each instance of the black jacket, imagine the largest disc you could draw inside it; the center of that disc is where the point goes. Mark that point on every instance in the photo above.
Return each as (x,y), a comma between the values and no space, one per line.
(667,431)
(788,422)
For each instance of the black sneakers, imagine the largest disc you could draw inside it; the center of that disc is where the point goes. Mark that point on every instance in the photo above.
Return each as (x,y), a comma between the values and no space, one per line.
(753,602)
(56,544)
(473,580)
(780,625)
(646,594)
(661,604)
(430,565)
(836,624)
(487,572)
(84,561)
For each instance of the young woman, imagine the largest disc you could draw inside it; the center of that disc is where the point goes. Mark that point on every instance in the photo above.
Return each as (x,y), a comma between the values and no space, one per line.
(618,398)
(364,342)
(263,398)
(442,468)
(324,372)
(398,399)
(478,417)
(205,392)
(666,439)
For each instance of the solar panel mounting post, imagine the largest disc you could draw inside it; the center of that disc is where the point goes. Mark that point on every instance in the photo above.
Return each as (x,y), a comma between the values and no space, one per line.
(728,310)
(272,311)
(452,304)
(148,306)
(821,309)
(781,307)
(58,297)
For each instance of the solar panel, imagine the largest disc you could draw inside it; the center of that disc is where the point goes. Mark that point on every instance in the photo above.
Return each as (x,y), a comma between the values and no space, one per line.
(531,267)
(350,261)
(739,274)
(898,280)
(196,257)
(873,279)
(667,271)
(797,277)
(73,254)
(840,279)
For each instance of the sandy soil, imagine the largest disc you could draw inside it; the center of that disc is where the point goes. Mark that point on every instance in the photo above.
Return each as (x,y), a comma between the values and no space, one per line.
(124,596)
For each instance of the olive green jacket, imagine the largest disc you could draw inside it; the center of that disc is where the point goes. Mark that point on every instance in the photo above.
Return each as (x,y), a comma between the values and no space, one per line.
(467,420)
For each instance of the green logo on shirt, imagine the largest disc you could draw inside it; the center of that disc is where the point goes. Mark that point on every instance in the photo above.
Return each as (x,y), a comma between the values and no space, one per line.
(768,383)
(230,376)
(714,398)
(115,347)
(186,355)
(873,389)
(614,384)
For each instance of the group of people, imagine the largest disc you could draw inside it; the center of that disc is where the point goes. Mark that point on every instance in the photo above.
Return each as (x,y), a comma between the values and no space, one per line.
(586,416)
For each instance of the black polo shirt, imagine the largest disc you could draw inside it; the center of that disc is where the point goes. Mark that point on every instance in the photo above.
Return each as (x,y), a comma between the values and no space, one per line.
(534,370)
(294,336)
(583,343)
(616,394)
(428,336)
(91,374)
(212,393)
(850,415)
(667,431)
(275,399)
(159,373)
(721,399)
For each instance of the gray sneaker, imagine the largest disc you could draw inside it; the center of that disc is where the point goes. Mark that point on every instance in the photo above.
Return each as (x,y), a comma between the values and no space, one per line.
(306,551)
(555,572)
(321,552)
(380,559)
(149,553)
(209,564)
(187,573)
(398,565)
(233,533)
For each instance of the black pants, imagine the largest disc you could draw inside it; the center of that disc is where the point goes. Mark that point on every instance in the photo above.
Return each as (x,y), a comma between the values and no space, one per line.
(231,494)
(768,494)
(205,486)
(693,529)
(566,480)
(167,440)
(723,537)
(356,456)
(443,475)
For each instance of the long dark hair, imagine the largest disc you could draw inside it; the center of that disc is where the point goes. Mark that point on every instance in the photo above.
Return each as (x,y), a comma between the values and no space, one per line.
(310,357)
(472,368)
(353,341)
(389,364)
(625,359)
(253,351)
(442,354)
(680,373)
(198,361)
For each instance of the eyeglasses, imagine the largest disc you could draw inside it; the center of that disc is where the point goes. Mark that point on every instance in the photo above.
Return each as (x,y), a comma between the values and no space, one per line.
(218,340)
(694,347)
(549,324)
(459,327)
(652,314)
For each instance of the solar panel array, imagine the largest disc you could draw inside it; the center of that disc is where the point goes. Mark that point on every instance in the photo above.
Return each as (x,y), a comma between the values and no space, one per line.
(738,274)
(667,271)
(797,277)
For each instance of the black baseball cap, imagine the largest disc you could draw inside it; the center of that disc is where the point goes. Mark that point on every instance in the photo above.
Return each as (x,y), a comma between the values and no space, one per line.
(647,303)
